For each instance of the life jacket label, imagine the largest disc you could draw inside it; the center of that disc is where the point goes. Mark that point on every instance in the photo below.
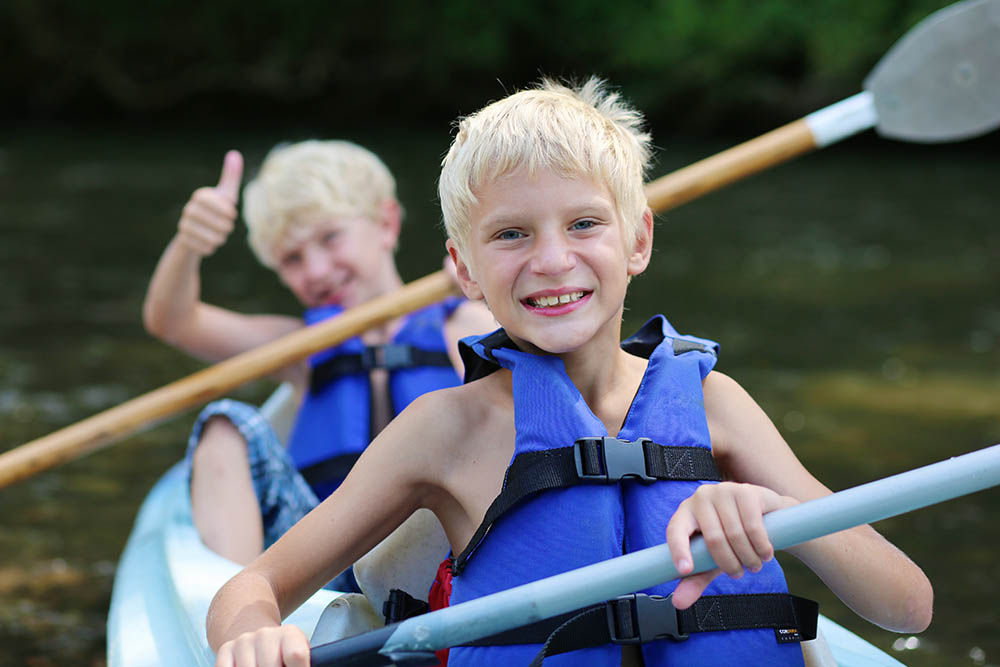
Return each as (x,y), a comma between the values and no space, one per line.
(787,635)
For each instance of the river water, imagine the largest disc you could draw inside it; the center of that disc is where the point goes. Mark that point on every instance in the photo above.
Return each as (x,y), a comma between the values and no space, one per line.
(854,292)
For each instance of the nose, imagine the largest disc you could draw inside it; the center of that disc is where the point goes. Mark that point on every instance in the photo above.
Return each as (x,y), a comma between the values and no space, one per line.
(315,264)
(553,254)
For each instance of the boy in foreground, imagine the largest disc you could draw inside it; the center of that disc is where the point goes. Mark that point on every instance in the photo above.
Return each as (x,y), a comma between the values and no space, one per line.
(547,223)
(324,216)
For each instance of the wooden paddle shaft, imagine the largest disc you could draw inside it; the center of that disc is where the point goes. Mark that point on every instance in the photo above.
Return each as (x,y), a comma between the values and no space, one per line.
(196,389)
(731,165)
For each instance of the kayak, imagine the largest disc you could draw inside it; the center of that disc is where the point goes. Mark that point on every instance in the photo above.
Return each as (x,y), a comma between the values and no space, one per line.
(164,584)
(166,578)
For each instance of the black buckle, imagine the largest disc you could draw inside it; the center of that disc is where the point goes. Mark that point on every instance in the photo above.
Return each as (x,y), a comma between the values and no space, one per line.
(621,459)
(400,606)
(652,617)
(389,356)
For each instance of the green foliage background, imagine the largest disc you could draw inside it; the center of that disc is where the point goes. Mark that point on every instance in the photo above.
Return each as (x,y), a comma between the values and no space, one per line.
(695,64)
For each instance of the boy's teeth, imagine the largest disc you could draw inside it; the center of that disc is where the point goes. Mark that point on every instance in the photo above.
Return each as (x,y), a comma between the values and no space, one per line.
(548,301)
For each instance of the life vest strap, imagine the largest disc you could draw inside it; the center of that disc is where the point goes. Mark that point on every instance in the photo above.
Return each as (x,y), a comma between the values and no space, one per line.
(609,460)
(603,460)
(391,356)
(639,618)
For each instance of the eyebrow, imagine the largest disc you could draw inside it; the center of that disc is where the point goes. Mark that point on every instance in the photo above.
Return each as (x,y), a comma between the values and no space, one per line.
(505,219)
(502,220)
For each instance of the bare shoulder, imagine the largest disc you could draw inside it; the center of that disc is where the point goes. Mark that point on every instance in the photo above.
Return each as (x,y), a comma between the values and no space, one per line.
(737,423)
(449,450)
(435,414)
(727,403)
(748,446)
(442,423)
(409,453)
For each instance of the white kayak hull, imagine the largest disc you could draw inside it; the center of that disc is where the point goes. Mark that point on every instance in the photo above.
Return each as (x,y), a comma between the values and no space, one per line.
(165,582)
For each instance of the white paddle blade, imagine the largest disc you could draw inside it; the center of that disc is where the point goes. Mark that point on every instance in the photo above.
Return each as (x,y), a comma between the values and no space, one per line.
(941,82)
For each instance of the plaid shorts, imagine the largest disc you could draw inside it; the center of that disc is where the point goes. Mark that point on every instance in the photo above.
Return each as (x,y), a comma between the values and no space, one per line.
(283,494)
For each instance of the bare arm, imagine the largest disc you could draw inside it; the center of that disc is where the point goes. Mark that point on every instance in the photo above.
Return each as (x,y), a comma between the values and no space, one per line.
(173,310)
(877,580)
(390,480)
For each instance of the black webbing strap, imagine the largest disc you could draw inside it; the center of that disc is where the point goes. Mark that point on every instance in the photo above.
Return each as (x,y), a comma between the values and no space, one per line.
(335,467)
(639,618)
(603,460)
(391,356)
(641,344)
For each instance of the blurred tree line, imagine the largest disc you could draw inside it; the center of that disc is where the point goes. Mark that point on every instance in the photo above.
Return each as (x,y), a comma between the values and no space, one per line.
(692,64)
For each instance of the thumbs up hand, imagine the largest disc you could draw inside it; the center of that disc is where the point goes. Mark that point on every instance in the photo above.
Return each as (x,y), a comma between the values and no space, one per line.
(209,216)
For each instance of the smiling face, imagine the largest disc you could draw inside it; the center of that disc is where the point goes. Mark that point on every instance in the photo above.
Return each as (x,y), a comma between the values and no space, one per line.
(344,261)
(549,255)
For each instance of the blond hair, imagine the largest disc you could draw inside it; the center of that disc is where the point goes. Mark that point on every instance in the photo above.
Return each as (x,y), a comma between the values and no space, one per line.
(582,131)
(300,184)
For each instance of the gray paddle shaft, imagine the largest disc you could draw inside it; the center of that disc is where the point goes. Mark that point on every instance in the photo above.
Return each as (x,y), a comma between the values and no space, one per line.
(595,583)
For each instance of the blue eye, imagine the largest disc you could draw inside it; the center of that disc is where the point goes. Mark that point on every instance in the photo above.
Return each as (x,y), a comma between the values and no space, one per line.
(583,224)
(509,235)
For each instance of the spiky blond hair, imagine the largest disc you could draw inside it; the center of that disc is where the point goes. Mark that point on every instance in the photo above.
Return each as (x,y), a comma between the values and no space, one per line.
(586,130)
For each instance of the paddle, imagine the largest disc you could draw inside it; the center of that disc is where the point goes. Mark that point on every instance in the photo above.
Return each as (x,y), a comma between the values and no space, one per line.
(940,82)
(151,408)
(946,64)
(412,641)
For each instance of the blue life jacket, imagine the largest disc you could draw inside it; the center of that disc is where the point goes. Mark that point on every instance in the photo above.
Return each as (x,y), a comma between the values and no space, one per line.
(565,528)
(333,425)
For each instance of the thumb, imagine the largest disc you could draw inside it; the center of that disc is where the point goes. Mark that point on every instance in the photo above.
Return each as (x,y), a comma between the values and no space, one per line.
(690,588)
(232,175)
(682,525)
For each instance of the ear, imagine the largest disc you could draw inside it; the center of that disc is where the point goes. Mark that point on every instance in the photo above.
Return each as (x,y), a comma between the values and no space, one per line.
(638,260)
(462,273)
(390,221)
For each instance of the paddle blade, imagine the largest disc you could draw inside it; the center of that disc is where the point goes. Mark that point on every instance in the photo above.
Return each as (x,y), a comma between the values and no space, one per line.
(941,82)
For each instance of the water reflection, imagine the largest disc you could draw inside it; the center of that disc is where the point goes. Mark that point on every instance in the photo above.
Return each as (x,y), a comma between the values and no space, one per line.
(854,293)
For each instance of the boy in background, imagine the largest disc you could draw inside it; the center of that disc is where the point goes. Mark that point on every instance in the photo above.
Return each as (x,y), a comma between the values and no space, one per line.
(324,216)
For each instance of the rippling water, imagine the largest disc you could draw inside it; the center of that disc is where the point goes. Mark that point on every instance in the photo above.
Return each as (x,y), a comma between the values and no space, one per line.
(854,292)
